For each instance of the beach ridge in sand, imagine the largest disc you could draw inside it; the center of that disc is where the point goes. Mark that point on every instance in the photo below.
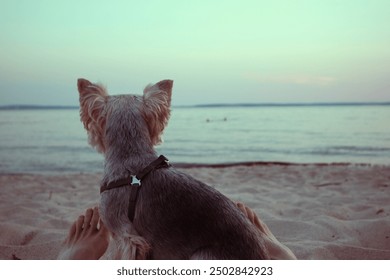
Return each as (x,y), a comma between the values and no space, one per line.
(321,211)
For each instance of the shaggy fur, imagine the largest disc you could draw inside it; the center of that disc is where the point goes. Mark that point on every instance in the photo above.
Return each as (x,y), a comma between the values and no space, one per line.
(177,216)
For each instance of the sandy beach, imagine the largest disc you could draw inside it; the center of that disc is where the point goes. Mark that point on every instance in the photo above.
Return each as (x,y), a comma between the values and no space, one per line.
(320,211)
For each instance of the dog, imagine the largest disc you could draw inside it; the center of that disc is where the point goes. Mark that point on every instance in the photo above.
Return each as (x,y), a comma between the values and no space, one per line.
(173,215)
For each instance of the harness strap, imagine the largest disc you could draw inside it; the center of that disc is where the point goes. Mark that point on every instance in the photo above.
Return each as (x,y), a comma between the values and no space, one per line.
(134,182)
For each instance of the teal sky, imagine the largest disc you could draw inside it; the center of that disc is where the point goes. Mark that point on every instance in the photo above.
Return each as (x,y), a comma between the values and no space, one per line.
(215,51)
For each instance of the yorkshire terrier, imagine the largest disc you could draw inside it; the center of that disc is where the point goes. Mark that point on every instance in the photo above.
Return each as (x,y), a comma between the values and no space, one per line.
(153,210)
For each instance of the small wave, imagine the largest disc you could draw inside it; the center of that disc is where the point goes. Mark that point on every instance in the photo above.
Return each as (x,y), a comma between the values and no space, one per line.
(350,151)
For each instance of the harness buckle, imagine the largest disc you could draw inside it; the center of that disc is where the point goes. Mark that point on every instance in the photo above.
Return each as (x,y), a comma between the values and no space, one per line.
(135,181)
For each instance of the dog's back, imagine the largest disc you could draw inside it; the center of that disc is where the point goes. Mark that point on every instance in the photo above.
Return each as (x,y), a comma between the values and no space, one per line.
(183,218)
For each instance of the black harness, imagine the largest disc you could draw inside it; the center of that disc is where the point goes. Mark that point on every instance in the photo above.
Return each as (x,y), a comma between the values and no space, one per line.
(134,182)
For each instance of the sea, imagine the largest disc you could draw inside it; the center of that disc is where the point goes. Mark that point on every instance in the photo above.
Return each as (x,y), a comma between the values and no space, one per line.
(53,140)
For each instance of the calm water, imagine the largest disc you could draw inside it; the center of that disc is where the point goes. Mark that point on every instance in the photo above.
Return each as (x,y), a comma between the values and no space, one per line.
(37,141)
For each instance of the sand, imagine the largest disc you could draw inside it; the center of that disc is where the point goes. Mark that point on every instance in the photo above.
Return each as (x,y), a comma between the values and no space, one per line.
(320,211)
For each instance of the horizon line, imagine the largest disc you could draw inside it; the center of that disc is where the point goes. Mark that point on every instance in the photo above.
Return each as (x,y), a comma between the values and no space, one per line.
(209,105)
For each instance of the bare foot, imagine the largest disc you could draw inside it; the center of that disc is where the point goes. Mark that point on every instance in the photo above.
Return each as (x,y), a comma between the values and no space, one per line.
(87,239)
(277,250)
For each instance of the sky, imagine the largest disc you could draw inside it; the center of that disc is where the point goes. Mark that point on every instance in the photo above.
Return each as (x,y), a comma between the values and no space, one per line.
(215,51)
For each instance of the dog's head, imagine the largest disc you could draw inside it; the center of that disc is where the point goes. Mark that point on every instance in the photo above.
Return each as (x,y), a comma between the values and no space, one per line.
(100,112)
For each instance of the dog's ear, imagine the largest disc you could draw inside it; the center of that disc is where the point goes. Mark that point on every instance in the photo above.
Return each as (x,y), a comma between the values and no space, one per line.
(93,100)
(157,103)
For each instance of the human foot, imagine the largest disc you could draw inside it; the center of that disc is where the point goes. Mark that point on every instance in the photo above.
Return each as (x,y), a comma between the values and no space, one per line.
(87,238)
(277,250)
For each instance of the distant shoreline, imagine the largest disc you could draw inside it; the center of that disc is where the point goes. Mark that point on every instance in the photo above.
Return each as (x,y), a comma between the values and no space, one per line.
(37,107)
(215,105)
(290,104)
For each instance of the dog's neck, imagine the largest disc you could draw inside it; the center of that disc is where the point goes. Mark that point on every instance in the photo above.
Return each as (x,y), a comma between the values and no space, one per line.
(126,156)
(117,166)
